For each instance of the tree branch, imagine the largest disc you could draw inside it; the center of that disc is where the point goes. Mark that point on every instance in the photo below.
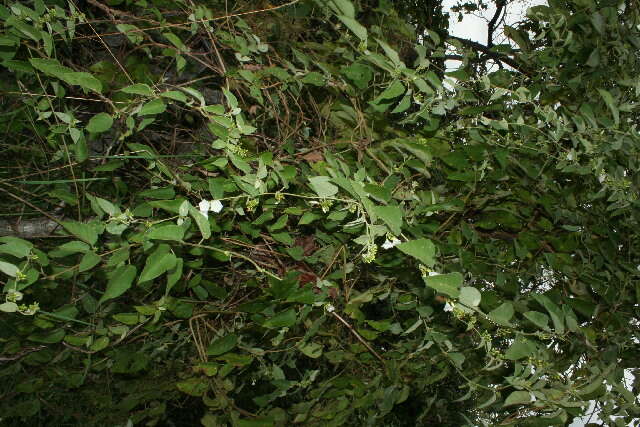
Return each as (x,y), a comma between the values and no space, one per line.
(491,54)
(491,26)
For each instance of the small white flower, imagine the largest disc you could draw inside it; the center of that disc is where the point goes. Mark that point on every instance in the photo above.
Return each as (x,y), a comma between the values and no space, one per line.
(433,273)
(448,307)
(216,206)
(390,243)
(14,296)
(602,177)
(204,206)
(330,308)
(571,155)
(209,205)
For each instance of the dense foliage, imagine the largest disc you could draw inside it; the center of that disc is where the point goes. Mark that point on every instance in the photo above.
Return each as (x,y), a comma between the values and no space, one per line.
(263,214)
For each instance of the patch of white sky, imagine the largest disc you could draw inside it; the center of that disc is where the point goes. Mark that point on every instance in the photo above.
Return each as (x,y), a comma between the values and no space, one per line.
(474,27)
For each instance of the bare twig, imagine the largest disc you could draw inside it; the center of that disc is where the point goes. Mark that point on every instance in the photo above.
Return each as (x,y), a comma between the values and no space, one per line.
(357,335)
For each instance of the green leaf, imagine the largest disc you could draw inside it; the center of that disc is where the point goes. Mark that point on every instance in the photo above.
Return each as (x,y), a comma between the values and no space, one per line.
(390,52)
(152,107)
(322,186)
(343,7)
(127,318)
(470,296)
(520,349)
(119,283)
(608,99)
(88,261)
(99,123)
(28,30)
(394,90)
(194,386)
(283,238)
(201,221)
(16,247)
(557,316)
(354,26)
(314,78)
(503,314)
(448,284)
(159,262)
(312,350)
(81,150)
(138,89)
(47,337)
(222,345)
(132,32)
(518,398)
(100,344)
(166,232)
(422,249)
(84,232)
(9,307)
(284,319)
(541,320)
(175,95)
(84,80)
(175,40)
(360,74)
(392,216)
(174,275)
(51,67)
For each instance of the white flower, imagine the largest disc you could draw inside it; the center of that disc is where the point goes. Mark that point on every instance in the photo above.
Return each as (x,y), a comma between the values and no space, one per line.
(14,296)
(388,244)
(330,308)
(204,206)
(448,307)
(602,177)
(209,205)
(216,206)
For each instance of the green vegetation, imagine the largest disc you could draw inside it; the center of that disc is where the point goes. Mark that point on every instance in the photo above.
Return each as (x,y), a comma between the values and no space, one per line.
(265,214)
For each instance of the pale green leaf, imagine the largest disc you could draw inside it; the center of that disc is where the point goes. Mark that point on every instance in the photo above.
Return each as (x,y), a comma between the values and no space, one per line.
(322,186)
(138,89)
(166,232)
(84,232)
(99,123)
(422,249)
(155,106)
(174,275)
(283,319)
(392,216)
(503,314)
(520,349)
(8,269)
(159,262)
(9,307)
(120,282)
(470,296)
(518,398)
(201,221)
(541,320)
(354,26)
(88,261)
(222,345)
(448,284)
